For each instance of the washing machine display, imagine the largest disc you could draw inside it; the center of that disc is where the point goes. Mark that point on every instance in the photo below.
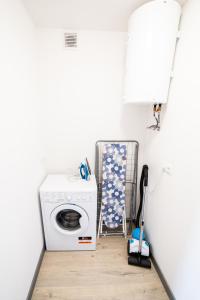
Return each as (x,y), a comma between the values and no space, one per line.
(69,212)
(70,219)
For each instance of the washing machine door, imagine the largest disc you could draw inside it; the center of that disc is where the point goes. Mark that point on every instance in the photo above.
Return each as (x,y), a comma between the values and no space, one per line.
(70,219)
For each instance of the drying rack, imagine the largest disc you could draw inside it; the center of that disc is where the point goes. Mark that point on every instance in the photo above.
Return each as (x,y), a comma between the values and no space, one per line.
(129,215)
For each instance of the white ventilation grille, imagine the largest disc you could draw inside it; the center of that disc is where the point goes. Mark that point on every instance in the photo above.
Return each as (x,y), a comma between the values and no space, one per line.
(70,40)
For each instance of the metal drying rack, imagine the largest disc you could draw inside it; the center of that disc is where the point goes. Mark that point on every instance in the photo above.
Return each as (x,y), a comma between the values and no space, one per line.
(131,185)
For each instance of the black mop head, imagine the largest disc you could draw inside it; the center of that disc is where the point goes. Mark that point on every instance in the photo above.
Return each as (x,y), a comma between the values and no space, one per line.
(139,261)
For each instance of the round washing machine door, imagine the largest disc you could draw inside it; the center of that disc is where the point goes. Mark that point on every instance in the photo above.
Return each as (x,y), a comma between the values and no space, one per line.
(70,219)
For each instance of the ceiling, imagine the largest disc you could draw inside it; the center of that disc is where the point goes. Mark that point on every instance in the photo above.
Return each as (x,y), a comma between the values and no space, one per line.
(83,14)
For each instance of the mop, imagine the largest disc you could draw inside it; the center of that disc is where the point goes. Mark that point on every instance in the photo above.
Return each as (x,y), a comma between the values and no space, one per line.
(138,248)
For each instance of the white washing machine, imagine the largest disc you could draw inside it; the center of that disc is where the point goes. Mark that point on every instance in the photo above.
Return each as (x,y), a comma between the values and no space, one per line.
(69,211)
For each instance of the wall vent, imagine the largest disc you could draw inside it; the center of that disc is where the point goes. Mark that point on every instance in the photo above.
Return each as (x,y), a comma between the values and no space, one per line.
(70,40)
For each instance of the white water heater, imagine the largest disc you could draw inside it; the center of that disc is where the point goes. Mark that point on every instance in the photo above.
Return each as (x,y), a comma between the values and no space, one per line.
(152,38)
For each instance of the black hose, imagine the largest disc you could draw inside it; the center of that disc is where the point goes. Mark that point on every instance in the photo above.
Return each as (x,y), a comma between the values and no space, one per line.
(143,182)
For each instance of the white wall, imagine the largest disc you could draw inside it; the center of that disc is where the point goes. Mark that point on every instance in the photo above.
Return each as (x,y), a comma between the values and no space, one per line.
(173,205)
(82,96)
(20,169)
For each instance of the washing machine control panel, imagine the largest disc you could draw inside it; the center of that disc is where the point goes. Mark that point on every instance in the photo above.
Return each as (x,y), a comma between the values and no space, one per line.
(61,197)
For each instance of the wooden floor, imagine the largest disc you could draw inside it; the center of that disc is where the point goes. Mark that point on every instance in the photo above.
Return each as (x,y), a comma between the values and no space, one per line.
(96,275)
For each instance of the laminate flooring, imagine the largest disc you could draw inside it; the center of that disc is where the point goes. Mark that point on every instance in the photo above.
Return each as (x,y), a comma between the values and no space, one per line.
(103,274)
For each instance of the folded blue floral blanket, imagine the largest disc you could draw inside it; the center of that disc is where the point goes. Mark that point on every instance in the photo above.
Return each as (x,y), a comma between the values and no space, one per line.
(113,184)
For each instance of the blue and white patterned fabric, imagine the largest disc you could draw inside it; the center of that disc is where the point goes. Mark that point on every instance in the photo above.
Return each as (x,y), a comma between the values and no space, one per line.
(113,184)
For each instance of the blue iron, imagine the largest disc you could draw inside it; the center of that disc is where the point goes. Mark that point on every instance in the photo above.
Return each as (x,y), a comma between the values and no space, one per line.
(85,171)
